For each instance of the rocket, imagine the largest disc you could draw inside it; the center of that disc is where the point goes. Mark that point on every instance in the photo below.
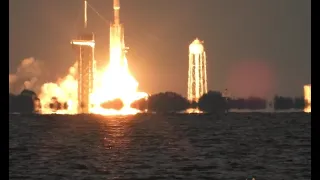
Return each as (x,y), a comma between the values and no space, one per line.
(116,9)
(117,46)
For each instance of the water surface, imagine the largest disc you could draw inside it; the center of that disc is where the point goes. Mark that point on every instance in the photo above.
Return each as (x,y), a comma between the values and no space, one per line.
(149,146)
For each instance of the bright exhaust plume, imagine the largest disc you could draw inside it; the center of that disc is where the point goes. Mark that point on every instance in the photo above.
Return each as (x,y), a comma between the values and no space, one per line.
(307,98)
(112,82)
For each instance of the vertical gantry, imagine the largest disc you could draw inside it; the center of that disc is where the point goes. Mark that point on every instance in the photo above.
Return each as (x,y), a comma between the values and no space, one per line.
(84,46)
(197,73)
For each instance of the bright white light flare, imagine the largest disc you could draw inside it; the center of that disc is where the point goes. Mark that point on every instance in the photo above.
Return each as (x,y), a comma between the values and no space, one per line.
(307,98)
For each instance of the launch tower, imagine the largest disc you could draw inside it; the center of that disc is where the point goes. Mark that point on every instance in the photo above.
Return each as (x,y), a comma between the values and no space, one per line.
(84,47)
(197,75)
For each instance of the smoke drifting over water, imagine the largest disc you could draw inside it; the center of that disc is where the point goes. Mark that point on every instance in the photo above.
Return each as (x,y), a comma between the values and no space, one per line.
(26,76)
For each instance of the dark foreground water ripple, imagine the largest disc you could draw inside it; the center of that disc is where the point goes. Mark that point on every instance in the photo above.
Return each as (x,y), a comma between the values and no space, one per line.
(146,146)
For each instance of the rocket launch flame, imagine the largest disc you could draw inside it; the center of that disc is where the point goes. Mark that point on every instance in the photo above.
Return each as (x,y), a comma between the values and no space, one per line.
(113,82)
(307,98)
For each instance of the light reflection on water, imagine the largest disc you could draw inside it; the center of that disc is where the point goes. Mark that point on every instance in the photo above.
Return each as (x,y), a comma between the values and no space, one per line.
(269,146)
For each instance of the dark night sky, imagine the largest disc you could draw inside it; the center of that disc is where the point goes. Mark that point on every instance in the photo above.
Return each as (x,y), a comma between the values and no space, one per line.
(254,47)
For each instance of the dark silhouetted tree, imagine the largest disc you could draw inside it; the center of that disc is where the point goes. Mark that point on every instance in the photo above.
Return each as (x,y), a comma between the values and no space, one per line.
(255,103)
(141,104)
(167,102)
(252,103)
(238,103)
(28,93)
(212,102)
(13,103)
(299,103)
(23,103)
(194,105)
(283,103)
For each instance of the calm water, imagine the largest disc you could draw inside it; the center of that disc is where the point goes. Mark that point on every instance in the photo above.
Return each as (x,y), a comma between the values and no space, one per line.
(268,146)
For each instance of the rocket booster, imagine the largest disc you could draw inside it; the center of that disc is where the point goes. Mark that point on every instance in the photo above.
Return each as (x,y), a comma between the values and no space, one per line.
(117,45)
(116,8)
(116,29)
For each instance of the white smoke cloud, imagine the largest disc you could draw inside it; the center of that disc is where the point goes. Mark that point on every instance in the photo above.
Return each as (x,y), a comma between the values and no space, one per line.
(30,84)
(65,89)
(26,76)
(12,78)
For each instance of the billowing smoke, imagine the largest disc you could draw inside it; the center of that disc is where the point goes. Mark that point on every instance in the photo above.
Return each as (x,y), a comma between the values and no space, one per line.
(65,90)
(26,76)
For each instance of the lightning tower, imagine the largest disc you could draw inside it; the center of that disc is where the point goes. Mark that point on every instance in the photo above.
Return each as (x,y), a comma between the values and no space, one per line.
(197,75)
(84,46)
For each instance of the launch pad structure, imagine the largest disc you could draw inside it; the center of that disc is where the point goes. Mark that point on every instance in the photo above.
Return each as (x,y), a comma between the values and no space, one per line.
(84,46)
(197,74)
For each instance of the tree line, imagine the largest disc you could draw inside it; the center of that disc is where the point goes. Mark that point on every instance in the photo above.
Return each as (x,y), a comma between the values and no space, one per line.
(164,102)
